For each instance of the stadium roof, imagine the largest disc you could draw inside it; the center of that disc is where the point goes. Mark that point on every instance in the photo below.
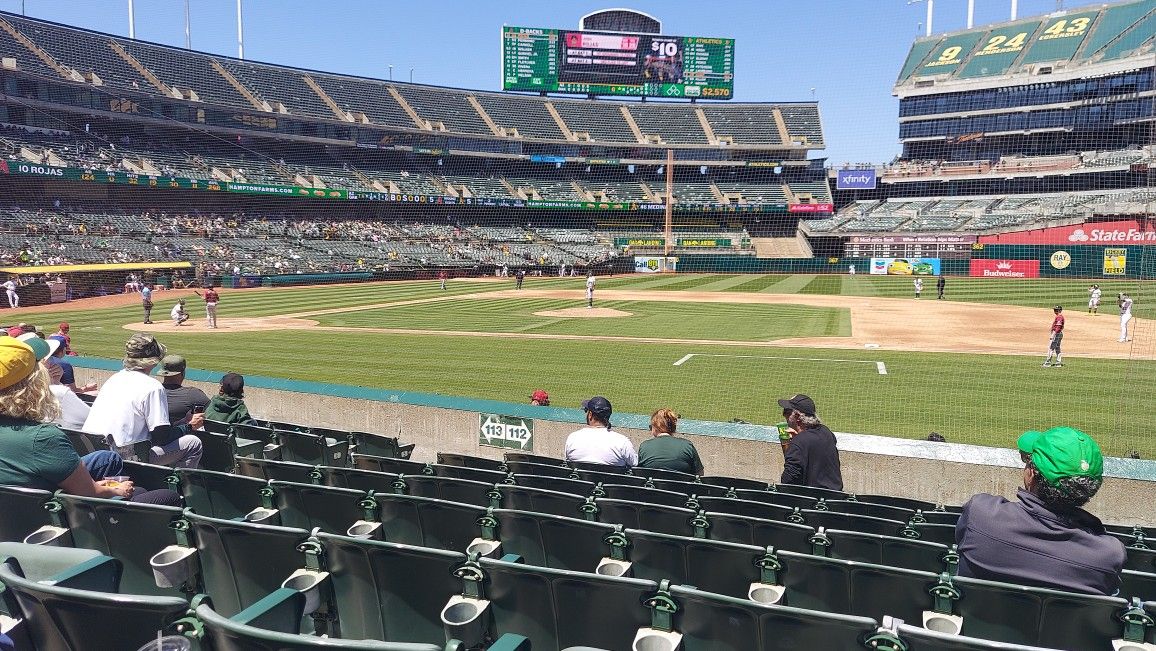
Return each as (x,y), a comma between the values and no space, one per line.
(1081,40)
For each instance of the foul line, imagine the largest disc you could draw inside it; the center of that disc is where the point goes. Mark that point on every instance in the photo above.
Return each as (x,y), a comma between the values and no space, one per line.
(879,366)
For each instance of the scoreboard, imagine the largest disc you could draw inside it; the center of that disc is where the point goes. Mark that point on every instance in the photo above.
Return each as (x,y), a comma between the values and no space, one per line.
(606,63)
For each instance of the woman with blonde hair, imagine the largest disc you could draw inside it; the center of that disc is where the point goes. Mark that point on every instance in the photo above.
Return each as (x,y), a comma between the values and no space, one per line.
(34,453)
(666,452)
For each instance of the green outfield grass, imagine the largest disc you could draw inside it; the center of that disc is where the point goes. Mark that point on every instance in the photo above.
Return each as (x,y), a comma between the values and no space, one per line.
(982,399)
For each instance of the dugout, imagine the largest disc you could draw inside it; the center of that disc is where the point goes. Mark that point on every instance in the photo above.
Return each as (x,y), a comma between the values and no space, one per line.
(59,283)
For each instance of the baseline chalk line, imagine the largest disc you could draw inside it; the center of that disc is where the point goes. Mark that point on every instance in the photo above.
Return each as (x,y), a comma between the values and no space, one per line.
(879,366)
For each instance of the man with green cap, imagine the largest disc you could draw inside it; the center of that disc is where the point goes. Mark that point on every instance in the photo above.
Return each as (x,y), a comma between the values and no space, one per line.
(1045,539)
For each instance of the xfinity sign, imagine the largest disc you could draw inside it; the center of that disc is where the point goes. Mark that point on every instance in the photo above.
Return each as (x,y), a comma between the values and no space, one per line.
(855,179)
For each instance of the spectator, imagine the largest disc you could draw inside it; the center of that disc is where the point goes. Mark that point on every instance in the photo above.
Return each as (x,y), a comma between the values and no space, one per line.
(131,408)
(36,454)
(67,375)
(936,437)
(666,452)
(1044,539)
(183,401)
(597,443)
(540,398)
(73,410)
(228,406)
(63,335)
(811,457)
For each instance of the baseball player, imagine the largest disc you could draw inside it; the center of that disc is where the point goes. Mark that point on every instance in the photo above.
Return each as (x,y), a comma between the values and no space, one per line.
(442,277)
(10,288)
(211,299)
(940,285)
(1057,337)
(519,277)
(1125,303)
(590,289)
(146,302)
(178,313)
(918,287)
(1094,299)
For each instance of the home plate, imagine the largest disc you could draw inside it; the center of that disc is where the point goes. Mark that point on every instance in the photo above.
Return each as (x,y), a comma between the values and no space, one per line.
(585,313)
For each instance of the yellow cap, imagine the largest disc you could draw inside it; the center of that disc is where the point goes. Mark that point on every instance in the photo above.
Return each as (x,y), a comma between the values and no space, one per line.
(17,361)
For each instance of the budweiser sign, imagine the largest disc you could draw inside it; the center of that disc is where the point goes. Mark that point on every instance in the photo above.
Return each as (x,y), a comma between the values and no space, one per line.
(1005,268)
(1129,231)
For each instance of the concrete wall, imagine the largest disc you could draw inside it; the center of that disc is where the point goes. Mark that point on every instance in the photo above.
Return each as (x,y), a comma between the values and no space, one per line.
(944,473)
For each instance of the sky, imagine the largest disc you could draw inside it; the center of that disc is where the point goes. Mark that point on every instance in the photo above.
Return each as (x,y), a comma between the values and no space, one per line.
(845,54)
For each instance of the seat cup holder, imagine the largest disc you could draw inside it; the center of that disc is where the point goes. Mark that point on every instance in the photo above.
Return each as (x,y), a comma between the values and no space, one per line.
(653,639)
(49,535)
(260,515)
(765,593)
(484,547)
(941,623)
(364,529)
(173,565)
(613,567)
(466,619)
(308,583)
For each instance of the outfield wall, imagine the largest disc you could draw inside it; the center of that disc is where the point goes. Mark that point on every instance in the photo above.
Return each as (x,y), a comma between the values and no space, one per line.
(947,473)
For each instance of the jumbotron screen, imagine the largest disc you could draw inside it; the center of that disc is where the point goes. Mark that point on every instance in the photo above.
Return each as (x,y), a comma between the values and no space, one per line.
(605,63)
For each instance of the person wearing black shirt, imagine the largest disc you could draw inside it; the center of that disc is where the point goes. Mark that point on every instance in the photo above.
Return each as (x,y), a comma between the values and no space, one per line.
(811,455)
(183,401)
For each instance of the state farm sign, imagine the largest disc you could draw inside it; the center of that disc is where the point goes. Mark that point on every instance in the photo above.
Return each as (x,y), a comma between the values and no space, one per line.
(1128,231)
(1005,268)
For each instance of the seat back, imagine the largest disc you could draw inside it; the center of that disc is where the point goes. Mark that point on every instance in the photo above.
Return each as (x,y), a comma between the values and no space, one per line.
(253,432)
(427,522)
(538,469)
(662,473)
(538,500)
(553,541)
(711,622)
(149,476)
(648,517)
(219,494)
(1138,584)
(747,507)
(81,442)
(388,464)
(466,472)
(275,470)
(314,449)
(901,502)
(67,618)
(643,494)
(690,488)
(602,477)
(868,508)
(556,609)
(864,523)
(362,480)
(465,491)
(710,565)
(918,638)
(128,531)
(467,461)
(737,483)
(385,591)
(217,427)
(886,550)
(811,491)
(787,500)
(380,445)
(524,457)
(24,512)
(573,486)
(242,562)
(1140,560)
(217,451)
(308,506)
(759,532)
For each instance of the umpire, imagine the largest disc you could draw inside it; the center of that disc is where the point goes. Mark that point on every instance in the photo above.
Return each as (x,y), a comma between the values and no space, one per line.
(811,458)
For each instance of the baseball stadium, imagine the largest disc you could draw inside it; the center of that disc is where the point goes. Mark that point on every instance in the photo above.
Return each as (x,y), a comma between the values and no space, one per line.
(422,291)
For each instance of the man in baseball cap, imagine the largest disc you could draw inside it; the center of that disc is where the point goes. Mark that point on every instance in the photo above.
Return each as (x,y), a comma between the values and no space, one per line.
(1044,539)
(597,443)
(540,398)
(810,455)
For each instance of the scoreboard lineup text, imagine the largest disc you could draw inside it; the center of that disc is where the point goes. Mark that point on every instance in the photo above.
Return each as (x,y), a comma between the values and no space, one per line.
(606,63)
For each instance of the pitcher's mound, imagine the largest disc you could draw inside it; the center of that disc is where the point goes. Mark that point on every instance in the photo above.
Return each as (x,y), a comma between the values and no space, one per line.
(586,313)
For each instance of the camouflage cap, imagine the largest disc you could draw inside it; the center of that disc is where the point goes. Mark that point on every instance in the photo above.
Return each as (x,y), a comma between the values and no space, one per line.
(143,346)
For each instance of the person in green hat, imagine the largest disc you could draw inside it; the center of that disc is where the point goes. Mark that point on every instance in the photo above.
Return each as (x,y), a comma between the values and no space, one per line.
(1045,538)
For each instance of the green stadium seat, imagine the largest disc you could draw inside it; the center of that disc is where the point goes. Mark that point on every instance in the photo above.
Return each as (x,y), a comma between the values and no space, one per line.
(691,488)
(1141,585)
(428,522)
(809,491)
(1132,530)
(609,478)
(275,470)
(575,486)
(150,476)
(450,489)
(598,467)
(308,506)
(523,457)
(130,532)
(282,426)
(83,443)
(711,622)
(465,460)
(649,517)
(219,451)
(659,473)
(539,470)
(643,494)
(746,530)
(219,494)
(24,512)
(62,617)
(863,523)
(749,508)
(1140,559)
(299,447)
(389,464)
(943,534)
(870,509)
(472,474)
(538,500)
(710,565)
(552,541)
(917,638)
(60,565)
(362,480)
(380,445)
(901,502)
(217,427)
(885,550)
(736,483)
(789,500)
(242,562)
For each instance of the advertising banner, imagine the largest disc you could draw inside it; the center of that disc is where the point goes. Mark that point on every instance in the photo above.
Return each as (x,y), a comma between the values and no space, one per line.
(711,243)
(1128,231)
(811,207)
(654,264)
(495,430)
(905,266)
(855,179)
(994,268)
(911,239)
(1115,262)
(640,242)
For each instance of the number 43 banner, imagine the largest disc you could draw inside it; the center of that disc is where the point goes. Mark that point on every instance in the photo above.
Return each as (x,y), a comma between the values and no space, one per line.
(506,432)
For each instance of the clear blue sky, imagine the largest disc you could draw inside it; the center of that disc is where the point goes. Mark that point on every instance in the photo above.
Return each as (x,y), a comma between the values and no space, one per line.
(849,51)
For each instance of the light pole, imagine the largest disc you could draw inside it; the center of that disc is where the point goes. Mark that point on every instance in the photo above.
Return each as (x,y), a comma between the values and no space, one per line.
(411,75)
(391,72)
(188,32)
(240,33)
(131,21)
(930,8)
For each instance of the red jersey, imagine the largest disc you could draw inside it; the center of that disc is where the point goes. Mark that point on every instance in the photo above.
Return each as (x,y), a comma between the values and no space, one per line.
(211,296)
(1058,323)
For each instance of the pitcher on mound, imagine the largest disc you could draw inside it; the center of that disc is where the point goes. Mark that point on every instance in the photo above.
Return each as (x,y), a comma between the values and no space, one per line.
(589,289)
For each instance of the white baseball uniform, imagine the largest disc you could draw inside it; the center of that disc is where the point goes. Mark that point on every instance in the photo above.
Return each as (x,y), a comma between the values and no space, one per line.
(589,291)
(1094,298)
(13,298)
(1125,317)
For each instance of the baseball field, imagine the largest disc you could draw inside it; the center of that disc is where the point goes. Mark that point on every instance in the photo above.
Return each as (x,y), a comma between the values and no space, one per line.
(713,347)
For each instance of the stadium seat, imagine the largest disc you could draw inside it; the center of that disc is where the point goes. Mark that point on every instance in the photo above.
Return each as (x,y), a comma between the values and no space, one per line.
(308,506)
(538,500)
(255,432)
(472,474)
(759,532)
(217,427)
(362,480)
(465,460)
(575,486)
(380,445)
(863,523)
(917,638)
(599,467)
(219,494)
(523,457)
(1140,559)
(778,498)
(219,451)
(943,534)
(691,488)
(83,443)
(389,464)
(750,508)
(428,522)
(465,491)
(128,531)
(609,478)
(643,494)
(650,517)
(24,511)
(150,476)
(901,502)
(810,491)
(61,565)
(885,550)
(1138,584)
(710,565)
(711,622)
(539,470)
(275,470)
(564,543)
(736,483)
(60,617)
(659,473)
(316,449)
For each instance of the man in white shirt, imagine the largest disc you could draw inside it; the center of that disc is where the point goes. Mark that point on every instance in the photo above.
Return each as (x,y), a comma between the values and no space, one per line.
(1094,293)
(10,288)
(178,313)
(1125,303)
(73,411)
(597,443)
(590,289)
(131,408)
